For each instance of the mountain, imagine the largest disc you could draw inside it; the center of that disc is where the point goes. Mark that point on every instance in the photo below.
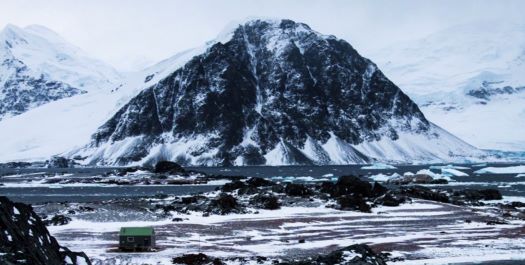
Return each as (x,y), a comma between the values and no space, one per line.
(272,92)
(467,79)
(59,126)
(37,67)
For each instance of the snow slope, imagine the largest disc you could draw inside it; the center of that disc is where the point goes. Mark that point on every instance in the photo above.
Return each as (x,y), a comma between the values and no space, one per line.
(63,125)
(468,79)
(44,52)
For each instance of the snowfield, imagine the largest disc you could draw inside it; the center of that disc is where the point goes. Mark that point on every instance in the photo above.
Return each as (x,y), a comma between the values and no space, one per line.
(501,170)
(423,229)
(439,71)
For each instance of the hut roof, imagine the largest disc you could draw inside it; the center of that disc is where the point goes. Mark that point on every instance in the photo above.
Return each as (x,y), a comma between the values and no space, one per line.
(136,231)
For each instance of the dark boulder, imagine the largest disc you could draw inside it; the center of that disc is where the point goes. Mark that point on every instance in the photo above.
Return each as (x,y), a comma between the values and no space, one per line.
(25,240)
(224,204)
(326,187)
(265,201)
(234,185)
(378,190)
(299,190)
(425,194)
(192,199)
(390,199)
(278,188)
(476,195)
(58,220)
(195,259)
(517,204)
(346,185)
(352,255)
(168,167)
(439,181)
(353,202)
(259,182)
(59,162)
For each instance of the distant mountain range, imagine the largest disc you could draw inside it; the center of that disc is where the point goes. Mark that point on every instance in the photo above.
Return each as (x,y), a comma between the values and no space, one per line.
(468,79)
(266,92)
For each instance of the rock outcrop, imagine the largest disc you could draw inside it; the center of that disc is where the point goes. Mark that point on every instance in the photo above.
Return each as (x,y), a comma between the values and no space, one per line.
(25,240)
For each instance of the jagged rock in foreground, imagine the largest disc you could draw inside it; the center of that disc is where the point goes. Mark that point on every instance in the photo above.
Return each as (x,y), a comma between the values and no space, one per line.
(273,92)
(24,239)
(351,255)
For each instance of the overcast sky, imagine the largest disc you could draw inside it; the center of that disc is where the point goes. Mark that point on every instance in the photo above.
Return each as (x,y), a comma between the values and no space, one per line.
(130,34)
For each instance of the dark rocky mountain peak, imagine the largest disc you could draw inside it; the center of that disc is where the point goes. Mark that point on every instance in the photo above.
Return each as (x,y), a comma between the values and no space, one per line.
(274,92)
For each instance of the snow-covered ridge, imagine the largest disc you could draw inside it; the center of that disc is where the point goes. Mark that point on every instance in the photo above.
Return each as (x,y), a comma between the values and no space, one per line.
(44,52)
(465,79)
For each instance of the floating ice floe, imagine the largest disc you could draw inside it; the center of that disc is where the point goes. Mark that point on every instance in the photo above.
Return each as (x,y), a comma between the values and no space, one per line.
(379,166)
(450,172)
(501,170)
(433,175)
(383,177)
(480,165)
(449,167)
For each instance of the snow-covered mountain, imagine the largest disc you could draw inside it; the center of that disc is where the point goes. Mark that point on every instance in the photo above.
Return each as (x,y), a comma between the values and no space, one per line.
(59,126)
(468,79)
(271,92)
(37,67)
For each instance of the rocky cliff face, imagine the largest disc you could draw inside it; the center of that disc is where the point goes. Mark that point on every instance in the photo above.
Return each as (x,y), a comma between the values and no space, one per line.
(21,91)
(24,239)
(273,92)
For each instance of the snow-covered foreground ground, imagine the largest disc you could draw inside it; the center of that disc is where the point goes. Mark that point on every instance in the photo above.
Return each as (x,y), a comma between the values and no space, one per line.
(422,232)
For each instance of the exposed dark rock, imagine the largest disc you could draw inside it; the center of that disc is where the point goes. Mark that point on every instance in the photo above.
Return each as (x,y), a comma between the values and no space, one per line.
(362,255)
(497,222)
(425,193)
(23,91)
(259,182)
(390,199)
(224,204)
(234,185)
(293,189)
(476,195)
(346,185)
(351,255)
(518,204)
(25,239)
(439,181)
(58,220)
(278,188)
(168,167)
(378,190)
(265,201)
(353,202)
(195,259)
(60,162)
(192,199)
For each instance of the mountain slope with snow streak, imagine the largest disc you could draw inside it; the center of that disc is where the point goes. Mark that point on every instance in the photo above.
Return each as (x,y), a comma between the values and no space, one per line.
(467,79)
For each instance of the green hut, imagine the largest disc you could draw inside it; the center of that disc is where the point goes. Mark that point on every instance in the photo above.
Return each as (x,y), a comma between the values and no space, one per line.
(137,238)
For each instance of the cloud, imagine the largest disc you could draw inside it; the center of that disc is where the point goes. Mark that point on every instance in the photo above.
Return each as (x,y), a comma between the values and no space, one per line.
(130,33)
